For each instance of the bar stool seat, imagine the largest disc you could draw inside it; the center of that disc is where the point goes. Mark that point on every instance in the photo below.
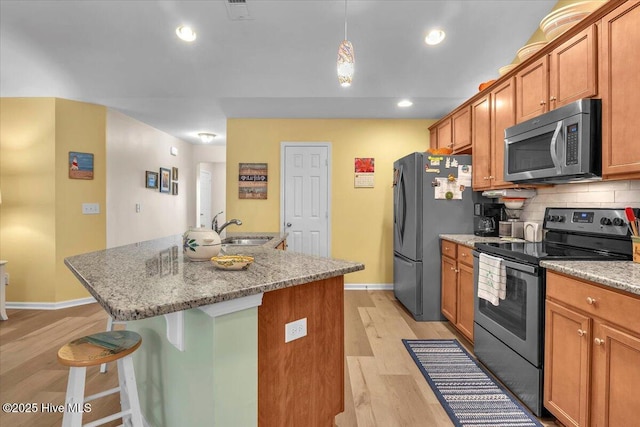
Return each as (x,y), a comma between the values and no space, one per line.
(95,350)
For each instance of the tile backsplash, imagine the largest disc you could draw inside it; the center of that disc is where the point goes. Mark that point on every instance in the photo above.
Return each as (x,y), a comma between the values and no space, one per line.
(609,194)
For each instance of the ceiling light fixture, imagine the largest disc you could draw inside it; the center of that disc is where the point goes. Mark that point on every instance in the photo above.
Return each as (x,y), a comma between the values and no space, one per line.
(186,33)
(346,60)
(434,37)
(405,103)
(206,137)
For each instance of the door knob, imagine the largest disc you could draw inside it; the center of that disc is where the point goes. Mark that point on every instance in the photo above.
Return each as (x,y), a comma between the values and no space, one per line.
(288,224)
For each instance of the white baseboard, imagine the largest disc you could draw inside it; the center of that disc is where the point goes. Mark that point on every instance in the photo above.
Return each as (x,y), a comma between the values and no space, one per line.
(368,286)
(50,305)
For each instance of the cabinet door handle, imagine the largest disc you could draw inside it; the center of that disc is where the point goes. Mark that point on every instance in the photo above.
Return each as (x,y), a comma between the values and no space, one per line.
(463,254)
(492,177)
(542,102)
(598,341)
(591,301)
(553,98)
(582,332)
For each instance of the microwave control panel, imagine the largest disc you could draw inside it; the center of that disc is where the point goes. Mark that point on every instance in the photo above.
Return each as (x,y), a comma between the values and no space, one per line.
(572,144)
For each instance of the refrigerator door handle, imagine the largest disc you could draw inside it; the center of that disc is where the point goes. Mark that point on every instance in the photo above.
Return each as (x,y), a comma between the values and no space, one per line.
(400,206)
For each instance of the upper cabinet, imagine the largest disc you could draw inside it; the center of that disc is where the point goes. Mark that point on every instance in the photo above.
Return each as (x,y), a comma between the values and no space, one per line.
(481,140)
(566,74)
(454,132)
(597,58)
(619,83)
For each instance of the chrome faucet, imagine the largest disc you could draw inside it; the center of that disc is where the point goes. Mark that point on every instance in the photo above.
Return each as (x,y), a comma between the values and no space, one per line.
(223,226)
(214,223)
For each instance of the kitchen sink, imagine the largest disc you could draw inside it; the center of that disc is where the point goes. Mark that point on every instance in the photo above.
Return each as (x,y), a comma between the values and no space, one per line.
(255,241)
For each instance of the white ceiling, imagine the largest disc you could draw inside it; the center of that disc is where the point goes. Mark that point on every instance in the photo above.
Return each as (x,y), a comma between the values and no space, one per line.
(281,63)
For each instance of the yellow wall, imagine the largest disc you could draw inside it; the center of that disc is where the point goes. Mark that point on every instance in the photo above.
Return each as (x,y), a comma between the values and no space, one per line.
(361,219)
(40,221)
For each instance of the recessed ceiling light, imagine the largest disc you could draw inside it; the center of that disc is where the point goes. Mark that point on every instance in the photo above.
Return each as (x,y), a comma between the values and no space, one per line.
(186,33)
(206,137)
(405,103)
(434,37)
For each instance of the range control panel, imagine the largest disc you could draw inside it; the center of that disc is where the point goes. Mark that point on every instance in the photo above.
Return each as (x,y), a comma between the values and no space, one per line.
(606,221)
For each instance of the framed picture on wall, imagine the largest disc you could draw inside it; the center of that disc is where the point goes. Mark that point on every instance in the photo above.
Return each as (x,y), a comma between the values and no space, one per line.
(174,174)
(151,179)
(165,180)
(174,188)
(80,165)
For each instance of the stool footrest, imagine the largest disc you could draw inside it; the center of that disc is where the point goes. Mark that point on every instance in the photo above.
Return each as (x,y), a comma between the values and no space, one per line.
(101,394)
(107,419)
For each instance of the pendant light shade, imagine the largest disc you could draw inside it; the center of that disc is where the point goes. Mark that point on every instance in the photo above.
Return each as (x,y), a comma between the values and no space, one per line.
(346,59)
(345,63)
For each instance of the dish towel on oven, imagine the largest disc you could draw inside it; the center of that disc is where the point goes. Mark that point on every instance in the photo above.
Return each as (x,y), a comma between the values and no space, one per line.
(492,279)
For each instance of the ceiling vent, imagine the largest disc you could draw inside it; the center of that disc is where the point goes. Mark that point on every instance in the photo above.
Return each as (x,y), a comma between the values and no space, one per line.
(238,10)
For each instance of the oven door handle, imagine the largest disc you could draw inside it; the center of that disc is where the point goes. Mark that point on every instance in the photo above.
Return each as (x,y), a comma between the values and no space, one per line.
(525,268)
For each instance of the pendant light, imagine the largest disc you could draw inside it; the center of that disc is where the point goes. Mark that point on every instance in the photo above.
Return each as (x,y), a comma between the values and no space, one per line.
(346,59)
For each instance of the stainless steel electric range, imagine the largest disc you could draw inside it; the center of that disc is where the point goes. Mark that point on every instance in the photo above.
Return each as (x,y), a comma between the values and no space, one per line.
(509,337)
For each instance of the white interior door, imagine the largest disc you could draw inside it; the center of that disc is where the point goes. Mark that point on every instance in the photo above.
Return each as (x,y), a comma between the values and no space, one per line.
(205,198)
(305,197)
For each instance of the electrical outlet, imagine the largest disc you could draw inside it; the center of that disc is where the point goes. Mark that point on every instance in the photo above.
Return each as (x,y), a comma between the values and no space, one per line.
(138,207)
(90,208)
(295,330)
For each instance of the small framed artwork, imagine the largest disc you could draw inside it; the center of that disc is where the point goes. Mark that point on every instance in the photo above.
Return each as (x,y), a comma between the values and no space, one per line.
(174,188)
(151,179)
(165,180)
(80,165)
(174,174)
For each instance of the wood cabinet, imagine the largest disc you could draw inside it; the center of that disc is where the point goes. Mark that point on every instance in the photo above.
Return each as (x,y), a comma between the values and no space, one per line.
(282,246)
(481,140)
(619,80)
(566,74)
(503,115)
(491,115)
(457,287)
(454,132)
(444,134)
(592,353)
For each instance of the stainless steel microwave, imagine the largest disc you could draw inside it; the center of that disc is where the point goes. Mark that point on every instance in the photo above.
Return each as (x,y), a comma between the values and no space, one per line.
(561,146)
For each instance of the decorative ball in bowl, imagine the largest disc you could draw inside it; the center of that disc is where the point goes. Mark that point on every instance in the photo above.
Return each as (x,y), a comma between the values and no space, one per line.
(232,262)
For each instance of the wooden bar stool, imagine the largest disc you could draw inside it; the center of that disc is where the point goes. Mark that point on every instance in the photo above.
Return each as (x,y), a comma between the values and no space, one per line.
(110,323)
(94,350)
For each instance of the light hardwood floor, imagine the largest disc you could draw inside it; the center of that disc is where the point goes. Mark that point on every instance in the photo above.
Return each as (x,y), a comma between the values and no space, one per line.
(383,386)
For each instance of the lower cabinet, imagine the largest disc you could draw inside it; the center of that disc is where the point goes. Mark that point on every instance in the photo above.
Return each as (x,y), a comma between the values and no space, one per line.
(457,287)
(592,354)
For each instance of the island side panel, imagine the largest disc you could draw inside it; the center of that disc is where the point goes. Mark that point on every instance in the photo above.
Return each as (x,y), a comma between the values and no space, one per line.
(213,381)
(301,383)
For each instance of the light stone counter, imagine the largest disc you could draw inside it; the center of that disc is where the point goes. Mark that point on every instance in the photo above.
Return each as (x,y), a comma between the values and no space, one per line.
(153,278)
(471,239)
(623,275)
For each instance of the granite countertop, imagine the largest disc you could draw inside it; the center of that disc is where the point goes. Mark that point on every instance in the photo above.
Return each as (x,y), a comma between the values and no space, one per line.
(153,278)
(623,275)
(273,242)
(471,239)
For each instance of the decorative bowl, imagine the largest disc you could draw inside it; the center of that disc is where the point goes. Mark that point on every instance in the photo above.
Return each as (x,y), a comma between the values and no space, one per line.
(504,70)
(201,243)
(485,85)
(560,20)
(232,262)
(528,50)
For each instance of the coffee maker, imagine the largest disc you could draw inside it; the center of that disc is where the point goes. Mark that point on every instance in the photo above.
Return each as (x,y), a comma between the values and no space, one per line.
(486,218)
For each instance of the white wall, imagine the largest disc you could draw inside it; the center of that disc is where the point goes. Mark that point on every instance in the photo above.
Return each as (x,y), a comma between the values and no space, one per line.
(133,148)
(614,194)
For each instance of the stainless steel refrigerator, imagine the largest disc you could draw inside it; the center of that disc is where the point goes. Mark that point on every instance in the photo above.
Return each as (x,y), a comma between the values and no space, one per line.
(432,195)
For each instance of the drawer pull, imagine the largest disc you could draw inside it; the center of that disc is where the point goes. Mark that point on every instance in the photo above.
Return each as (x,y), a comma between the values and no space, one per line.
(598,341)
(591,301)
(582,332)
(463,254)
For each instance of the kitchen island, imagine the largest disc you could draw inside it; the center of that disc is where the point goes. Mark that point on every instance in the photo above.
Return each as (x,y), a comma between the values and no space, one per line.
(214,350)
